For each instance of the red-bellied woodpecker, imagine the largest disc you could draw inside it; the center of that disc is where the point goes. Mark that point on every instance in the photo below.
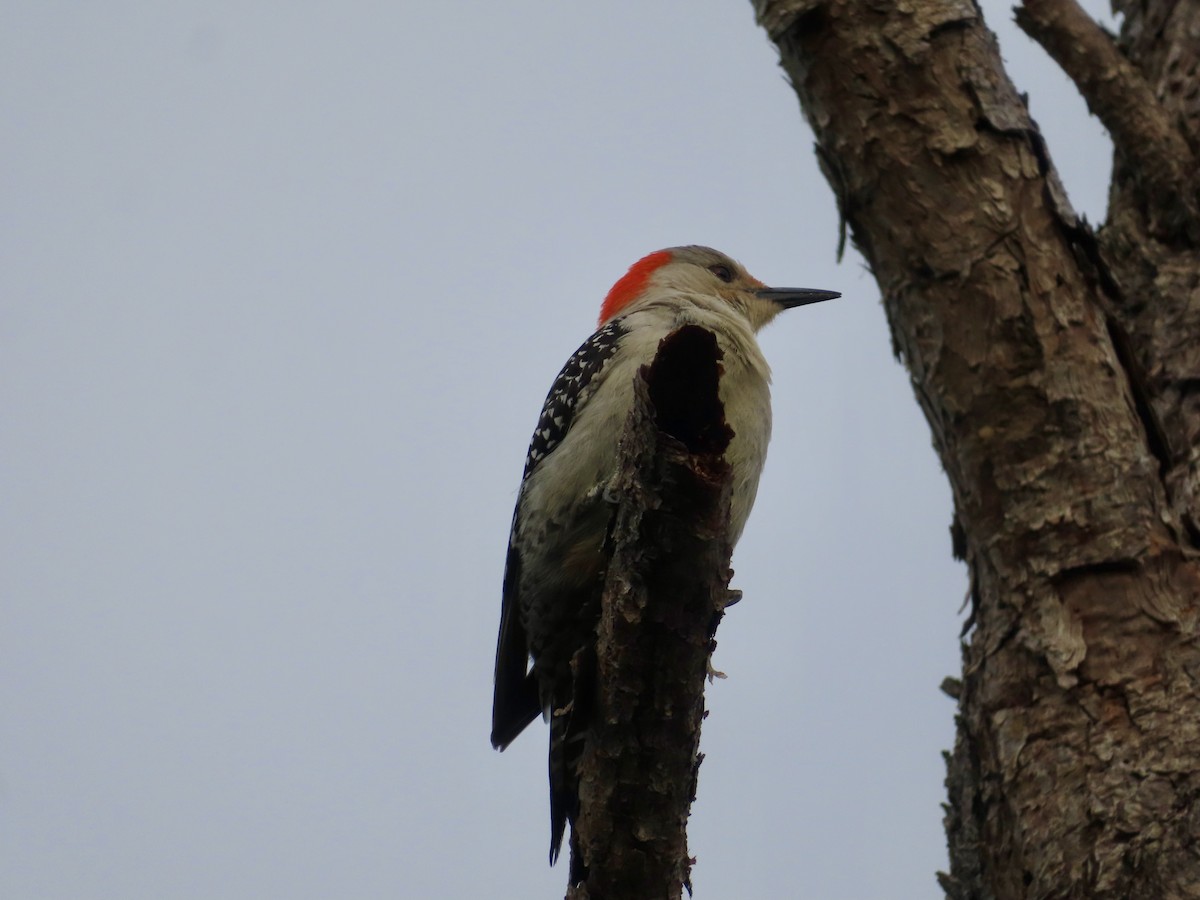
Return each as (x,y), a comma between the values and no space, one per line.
(556,563)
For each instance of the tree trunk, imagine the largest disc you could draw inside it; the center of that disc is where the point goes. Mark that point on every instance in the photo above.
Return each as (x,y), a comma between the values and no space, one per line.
(1060,372)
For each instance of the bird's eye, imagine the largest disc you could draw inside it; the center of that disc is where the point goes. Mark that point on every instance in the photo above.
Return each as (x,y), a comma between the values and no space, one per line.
(722,272)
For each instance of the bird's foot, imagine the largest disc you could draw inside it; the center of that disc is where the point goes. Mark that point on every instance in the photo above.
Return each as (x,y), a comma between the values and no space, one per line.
(563,710)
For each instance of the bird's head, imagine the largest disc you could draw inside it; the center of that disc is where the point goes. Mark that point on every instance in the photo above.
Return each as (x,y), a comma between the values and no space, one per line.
(707,272)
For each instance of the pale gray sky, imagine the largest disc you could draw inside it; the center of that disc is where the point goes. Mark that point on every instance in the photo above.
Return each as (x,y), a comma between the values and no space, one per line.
(283,286)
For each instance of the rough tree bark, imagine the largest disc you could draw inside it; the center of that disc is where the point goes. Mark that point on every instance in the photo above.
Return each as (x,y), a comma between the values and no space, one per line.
(664,594)
(1059,370)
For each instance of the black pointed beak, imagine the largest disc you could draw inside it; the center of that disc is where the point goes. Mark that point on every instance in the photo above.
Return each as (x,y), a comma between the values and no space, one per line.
(792,297)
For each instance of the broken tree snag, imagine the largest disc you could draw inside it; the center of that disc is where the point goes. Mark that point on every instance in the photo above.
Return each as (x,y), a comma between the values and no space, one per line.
(665,589)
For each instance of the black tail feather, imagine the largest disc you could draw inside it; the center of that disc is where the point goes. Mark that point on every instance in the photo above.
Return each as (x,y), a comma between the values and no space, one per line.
(569,727)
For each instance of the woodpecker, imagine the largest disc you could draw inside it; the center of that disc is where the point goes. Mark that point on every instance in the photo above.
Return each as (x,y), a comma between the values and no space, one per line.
(555,568)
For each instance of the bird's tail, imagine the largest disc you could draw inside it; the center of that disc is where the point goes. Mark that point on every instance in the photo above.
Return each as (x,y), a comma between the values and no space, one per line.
(569,726)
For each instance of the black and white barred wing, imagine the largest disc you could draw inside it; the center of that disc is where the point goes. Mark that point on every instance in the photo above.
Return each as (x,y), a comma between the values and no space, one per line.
(573,384)
(516,701)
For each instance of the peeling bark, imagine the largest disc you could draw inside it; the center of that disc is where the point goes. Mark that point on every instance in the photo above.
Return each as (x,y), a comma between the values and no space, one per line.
(1060,373)
(1157,269)
(664,593)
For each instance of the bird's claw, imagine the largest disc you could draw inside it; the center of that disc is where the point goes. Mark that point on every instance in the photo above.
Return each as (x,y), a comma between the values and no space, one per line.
(563,710)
